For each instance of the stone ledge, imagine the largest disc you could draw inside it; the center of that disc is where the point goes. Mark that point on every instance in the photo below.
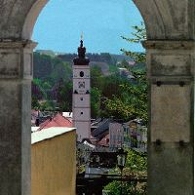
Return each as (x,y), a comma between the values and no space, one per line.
(16,43)
(173,79)
(169,44)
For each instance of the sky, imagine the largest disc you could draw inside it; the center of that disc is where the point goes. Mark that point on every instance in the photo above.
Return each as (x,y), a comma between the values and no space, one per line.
(102,23)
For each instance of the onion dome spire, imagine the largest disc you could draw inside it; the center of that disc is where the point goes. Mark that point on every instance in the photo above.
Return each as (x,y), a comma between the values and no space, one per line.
(81,59)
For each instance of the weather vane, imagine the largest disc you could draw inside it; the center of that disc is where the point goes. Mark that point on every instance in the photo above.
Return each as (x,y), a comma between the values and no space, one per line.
(82,36)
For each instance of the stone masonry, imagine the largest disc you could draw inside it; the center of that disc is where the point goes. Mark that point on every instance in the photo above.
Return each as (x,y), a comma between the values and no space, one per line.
(170,62)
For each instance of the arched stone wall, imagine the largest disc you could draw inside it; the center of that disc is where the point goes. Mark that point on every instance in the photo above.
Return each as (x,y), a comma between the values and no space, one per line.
(163,19)
(170,62)
(31,18)
(167,19)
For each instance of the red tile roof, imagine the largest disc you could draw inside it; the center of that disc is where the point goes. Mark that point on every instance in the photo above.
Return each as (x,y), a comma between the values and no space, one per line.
(57,121)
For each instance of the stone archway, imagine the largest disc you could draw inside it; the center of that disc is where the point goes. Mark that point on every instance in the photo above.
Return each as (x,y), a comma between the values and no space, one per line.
(170,61)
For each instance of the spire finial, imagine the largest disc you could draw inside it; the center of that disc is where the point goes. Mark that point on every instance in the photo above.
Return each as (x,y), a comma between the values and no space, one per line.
(82,36)
(81,41)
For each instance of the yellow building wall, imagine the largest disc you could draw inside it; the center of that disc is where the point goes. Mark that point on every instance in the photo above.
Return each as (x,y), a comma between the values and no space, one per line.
(53,166)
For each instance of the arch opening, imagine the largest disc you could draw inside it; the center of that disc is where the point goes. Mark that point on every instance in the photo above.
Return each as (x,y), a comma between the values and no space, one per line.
(167,33)
(81,113)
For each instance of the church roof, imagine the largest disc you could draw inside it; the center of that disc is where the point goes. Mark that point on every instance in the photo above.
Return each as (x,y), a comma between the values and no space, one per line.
(57,121)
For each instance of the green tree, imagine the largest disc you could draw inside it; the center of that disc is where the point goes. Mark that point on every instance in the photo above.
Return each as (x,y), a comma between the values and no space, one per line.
(42,65)
(120,93)
(111,85)
(48,69)
(95,102)
(64,95)
(139,93)
(35,103)
(60,69)
(138,35)
(47,105)
(118,109)
(136,96)
(125,99)
(136,161)
(136,165)
(96,77)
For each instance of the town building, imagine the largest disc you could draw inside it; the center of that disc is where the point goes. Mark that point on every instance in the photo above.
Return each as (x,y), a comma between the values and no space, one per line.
(58,120)
(53,169)
(112,134)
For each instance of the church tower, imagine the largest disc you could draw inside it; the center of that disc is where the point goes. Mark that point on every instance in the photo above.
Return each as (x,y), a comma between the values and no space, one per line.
(81,94)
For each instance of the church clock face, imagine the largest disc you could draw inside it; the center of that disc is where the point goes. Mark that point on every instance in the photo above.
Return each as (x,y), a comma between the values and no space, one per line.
(81,79)
(82,74)
(81,84)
